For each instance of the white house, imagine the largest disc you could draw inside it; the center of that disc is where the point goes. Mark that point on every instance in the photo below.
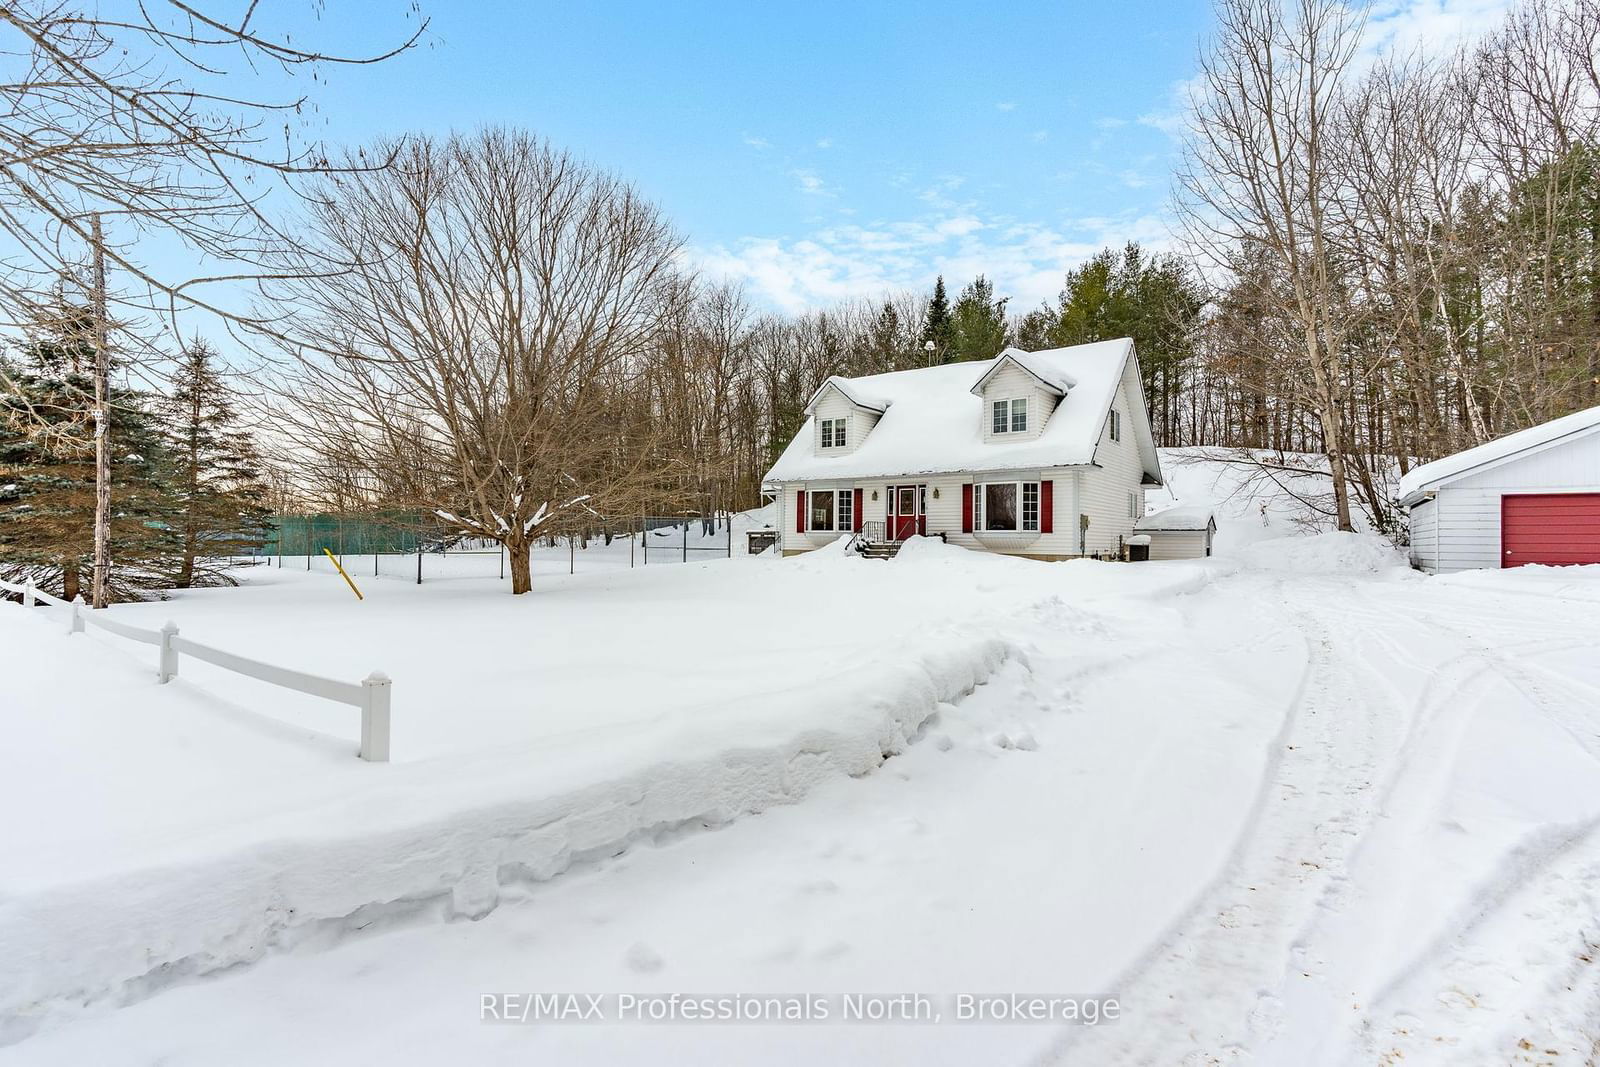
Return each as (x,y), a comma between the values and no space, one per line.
(1528,497)
(1039,454)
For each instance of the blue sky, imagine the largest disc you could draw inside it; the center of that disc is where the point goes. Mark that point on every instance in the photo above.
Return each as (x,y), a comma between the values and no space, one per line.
(829,150)
(832,150)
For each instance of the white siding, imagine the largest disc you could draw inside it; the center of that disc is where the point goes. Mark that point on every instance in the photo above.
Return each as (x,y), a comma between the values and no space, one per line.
(1106,488)
(834,405)
(1425,536)
(1178,544)
(1010,383)
(1465,529)
(944,512)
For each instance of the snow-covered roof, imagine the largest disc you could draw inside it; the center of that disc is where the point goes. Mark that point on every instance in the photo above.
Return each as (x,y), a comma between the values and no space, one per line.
(851,391)
(1178,517)
(1048,372)
(931,423)
(1420,480)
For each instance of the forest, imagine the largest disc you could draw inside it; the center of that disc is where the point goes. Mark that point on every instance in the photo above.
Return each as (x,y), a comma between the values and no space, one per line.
(1376,259)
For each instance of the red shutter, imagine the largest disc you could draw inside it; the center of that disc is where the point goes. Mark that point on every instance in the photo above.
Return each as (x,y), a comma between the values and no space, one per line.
(1047,508)
(800,512)
(856,511)
(966,509)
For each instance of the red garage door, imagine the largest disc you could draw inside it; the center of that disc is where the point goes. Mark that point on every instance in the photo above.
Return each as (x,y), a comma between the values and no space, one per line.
(1549,528)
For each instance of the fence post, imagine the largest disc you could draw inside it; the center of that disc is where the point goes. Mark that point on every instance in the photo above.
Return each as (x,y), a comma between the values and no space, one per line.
(375,717)
(75,623)
(27,593)
(686,540)
(169,654)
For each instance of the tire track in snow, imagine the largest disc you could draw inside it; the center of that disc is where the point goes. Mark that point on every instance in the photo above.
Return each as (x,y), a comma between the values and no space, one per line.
(1556,863)
(1214,985)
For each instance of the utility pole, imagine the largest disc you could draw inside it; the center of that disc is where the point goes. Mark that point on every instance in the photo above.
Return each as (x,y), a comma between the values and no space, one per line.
(102,424)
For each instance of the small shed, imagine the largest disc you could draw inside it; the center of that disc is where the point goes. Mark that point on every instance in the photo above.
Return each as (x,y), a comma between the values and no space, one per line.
(1528,497)
(1180,532)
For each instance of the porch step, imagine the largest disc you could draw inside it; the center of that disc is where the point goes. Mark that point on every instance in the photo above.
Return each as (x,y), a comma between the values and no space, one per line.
(880,549)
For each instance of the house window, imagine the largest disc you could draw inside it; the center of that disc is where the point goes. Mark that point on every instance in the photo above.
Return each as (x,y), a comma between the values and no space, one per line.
(833,433)
(1116,425)
(1006,507)
(1009,416)
(822,511)
(833,510)
(1133,505)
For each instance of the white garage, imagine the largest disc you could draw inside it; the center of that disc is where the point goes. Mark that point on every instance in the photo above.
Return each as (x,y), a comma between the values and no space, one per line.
(1529,497)
(1175,533)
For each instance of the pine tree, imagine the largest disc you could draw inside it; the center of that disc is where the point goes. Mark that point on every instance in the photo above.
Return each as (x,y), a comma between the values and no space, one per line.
(47,483)
(978,327)
(937,326)
(1033,329)
(220,493)
(1157,302)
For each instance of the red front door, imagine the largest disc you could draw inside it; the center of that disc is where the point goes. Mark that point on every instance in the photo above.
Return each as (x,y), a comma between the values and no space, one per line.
(905,511)
(1553,528)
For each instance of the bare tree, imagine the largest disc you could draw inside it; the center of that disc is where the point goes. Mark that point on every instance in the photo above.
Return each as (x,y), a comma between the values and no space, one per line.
(1255,176)
(133,122)
(480,364)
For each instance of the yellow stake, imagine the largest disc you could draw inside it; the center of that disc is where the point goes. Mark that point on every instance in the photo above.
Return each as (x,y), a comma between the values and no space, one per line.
(342,574)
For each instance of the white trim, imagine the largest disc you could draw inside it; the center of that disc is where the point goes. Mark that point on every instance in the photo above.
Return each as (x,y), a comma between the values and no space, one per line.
(841,429)
(839,524)
(1059,387)
(841,386)
(980,512)
(1442,480)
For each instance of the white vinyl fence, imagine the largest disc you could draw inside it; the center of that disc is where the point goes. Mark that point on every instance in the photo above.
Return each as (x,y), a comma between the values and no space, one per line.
(371,695)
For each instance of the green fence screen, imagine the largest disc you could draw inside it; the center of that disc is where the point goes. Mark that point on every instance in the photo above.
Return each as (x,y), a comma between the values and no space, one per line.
(302,535)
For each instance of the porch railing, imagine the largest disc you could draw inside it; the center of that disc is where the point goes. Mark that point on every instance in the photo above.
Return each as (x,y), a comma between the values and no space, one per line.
(871,533)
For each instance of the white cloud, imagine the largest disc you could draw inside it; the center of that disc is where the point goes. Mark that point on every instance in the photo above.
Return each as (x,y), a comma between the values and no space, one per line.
(825,142)
(1427,26)
(1110,122)
(757,142)
(1006,105)
(1039,136)
(939,193)
(1026,260)
(811,184)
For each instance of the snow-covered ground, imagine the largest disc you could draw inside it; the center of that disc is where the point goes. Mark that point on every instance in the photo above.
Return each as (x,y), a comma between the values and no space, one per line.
(1294,805)
(1256,496)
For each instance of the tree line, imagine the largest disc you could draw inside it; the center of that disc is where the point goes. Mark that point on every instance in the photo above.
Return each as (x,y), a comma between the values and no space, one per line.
(1380,259)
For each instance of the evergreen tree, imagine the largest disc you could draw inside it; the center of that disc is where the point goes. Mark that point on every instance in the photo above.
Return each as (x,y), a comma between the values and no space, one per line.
(978,324)
(938,326)
(47,469)
(1157,302)
(220,497)
(1033,329)
(885,340)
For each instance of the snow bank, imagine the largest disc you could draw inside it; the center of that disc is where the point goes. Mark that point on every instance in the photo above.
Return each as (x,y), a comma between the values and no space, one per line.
(131,934)
(1334,552)
(237,843)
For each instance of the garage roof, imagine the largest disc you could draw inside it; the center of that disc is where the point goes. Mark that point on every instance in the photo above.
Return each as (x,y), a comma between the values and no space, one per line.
(1419,481)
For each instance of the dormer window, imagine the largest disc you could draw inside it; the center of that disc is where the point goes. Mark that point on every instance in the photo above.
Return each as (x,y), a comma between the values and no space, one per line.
(833,433)
(1010,416)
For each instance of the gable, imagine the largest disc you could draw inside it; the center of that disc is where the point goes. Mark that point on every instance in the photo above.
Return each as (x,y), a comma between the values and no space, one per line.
(931,421)
(1557,434)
